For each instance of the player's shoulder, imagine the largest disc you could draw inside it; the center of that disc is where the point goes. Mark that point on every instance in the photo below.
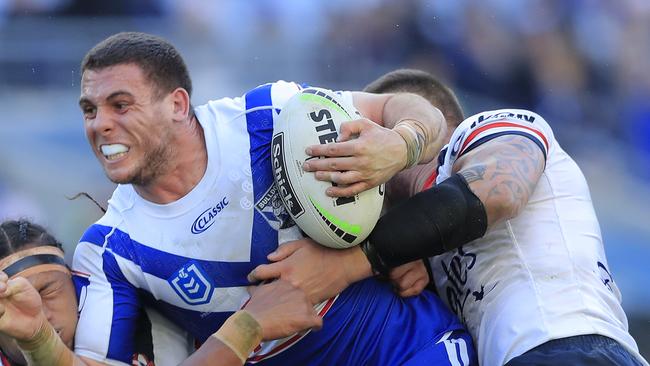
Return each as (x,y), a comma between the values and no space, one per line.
(485,126)
(274,94)
(120,201)
(505,118)
(268,95)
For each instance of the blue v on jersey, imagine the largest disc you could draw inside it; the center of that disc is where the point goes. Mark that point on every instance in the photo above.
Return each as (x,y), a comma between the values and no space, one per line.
(189,259)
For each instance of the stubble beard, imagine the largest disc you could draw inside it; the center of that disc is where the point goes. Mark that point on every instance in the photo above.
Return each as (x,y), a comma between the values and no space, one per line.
(154,163)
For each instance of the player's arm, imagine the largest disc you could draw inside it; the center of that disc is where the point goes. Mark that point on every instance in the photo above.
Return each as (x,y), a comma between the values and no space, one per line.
(494,182)
(22,318)
(275,310)
(406,109)
(397,131)
(502,174)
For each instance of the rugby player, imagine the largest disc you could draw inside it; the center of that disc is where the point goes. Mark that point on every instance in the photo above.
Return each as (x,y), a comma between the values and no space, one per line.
(37,293)
(193,214)
(507,223)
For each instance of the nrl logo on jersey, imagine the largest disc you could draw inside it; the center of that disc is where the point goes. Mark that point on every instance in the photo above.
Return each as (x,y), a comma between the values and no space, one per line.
(192,284)
(271,208)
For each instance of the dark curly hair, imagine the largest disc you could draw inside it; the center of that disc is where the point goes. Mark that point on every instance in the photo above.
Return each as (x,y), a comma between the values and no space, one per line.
(16,234)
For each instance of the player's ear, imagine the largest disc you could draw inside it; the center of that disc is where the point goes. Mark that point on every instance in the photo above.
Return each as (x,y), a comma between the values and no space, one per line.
(180,103)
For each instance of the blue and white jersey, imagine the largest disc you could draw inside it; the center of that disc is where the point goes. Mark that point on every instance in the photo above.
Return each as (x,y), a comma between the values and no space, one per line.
(189,259)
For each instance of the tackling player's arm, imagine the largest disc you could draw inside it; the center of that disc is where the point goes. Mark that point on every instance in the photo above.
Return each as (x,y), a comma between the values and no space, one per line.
(503,175)
(275,310)
(397,131)
(494,182)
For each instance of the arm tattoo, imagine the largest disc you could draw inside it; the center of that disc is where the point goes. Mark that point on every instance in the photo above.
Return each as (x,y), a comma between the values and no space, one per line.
(504,174)
(474,173)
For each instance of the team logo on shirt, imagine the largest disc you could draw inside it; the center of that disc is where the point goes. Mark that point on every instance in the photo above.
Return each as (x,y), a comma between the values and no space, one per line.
(605,276)
(490,117)
(192,284)
(271,208)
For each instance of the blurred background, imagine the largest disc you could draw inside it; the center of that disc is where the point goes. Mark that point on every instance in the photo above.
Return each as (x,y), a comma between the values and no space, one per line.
(582,64)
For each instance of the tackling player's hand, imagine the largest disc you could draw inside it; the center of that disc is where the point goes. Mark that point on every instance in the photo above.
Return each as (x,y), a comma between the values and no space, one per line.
(409,279)
(358,164)
(281,309)
(319,271)
(21,314)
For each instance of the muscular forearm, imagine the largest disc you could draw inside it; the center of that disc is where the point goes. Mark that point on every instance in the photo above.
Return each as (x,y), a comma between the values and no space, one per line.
(427,121)
(213,352)
(415,113)
(231,344)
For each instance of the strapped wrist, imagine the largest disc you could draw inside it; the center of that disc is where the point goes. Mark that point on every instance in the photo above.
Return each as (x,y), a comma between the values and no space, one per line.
(411,132)
(241,333)
(42,335)
(45,347)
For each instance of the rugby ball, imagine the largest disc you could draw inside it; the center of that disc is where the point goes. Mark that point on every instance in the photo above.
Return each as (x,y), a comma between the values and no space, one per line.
(310,117)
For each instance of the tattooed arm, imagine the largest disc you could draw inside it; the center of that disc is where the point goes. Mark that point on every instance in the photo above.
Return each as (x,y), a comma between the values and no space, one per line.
(503,173)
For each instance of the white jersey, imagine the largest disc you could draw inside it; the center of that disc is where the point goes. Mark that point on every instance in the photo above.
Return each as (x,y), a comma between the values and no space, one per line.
(539,276)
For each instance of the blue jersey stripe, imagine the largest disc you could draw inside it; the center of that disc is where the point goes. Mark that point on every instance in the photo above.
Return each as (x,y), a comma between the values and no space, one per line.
(163,264)
(487,138)
(96,234)
(199,324)
(126,308)
(259,124)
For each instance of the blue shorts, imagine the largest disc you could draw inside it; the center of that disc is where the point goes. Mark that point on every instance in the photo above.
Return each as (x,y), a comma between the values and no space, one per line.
(587,350)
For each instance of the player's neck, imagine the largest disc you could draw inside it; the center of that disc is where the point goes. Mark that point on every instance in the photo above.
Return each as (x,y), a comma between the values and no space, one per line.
(185,171)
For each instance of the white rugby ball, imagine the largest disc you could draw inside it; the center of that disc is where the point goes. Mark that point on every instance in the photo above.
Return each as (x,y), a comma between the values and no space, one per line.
(313,116)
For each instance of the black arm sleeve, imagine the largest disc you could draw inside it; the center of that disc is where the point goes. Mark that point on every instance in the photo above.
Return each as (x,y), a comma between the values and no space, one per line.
(430,223)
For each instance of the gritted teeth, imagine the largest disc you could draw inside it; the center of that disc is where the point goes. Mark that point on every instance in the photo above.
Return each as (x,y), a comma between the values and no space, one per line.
(114,151)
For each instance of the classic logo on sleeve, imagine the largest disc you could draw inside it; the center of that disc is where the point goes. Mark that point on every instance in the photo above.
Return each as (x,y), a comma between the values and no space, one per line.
(192,284)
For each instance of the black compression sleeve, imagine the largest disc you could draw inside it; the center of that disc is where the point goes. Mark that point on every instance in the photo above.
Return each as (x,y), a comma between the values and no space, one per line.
(430,223)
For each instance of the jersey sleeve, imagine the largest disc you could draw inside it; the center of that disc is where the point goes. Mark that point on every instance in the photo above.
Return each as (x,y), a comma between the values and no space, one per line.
(484,127)
(108,302)
(271,95)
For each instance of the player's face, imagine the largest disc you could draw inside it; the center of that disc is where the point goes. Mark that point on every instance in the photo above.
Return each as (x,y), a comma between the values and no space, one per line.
(127,125)
(59,301)
(59,306)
